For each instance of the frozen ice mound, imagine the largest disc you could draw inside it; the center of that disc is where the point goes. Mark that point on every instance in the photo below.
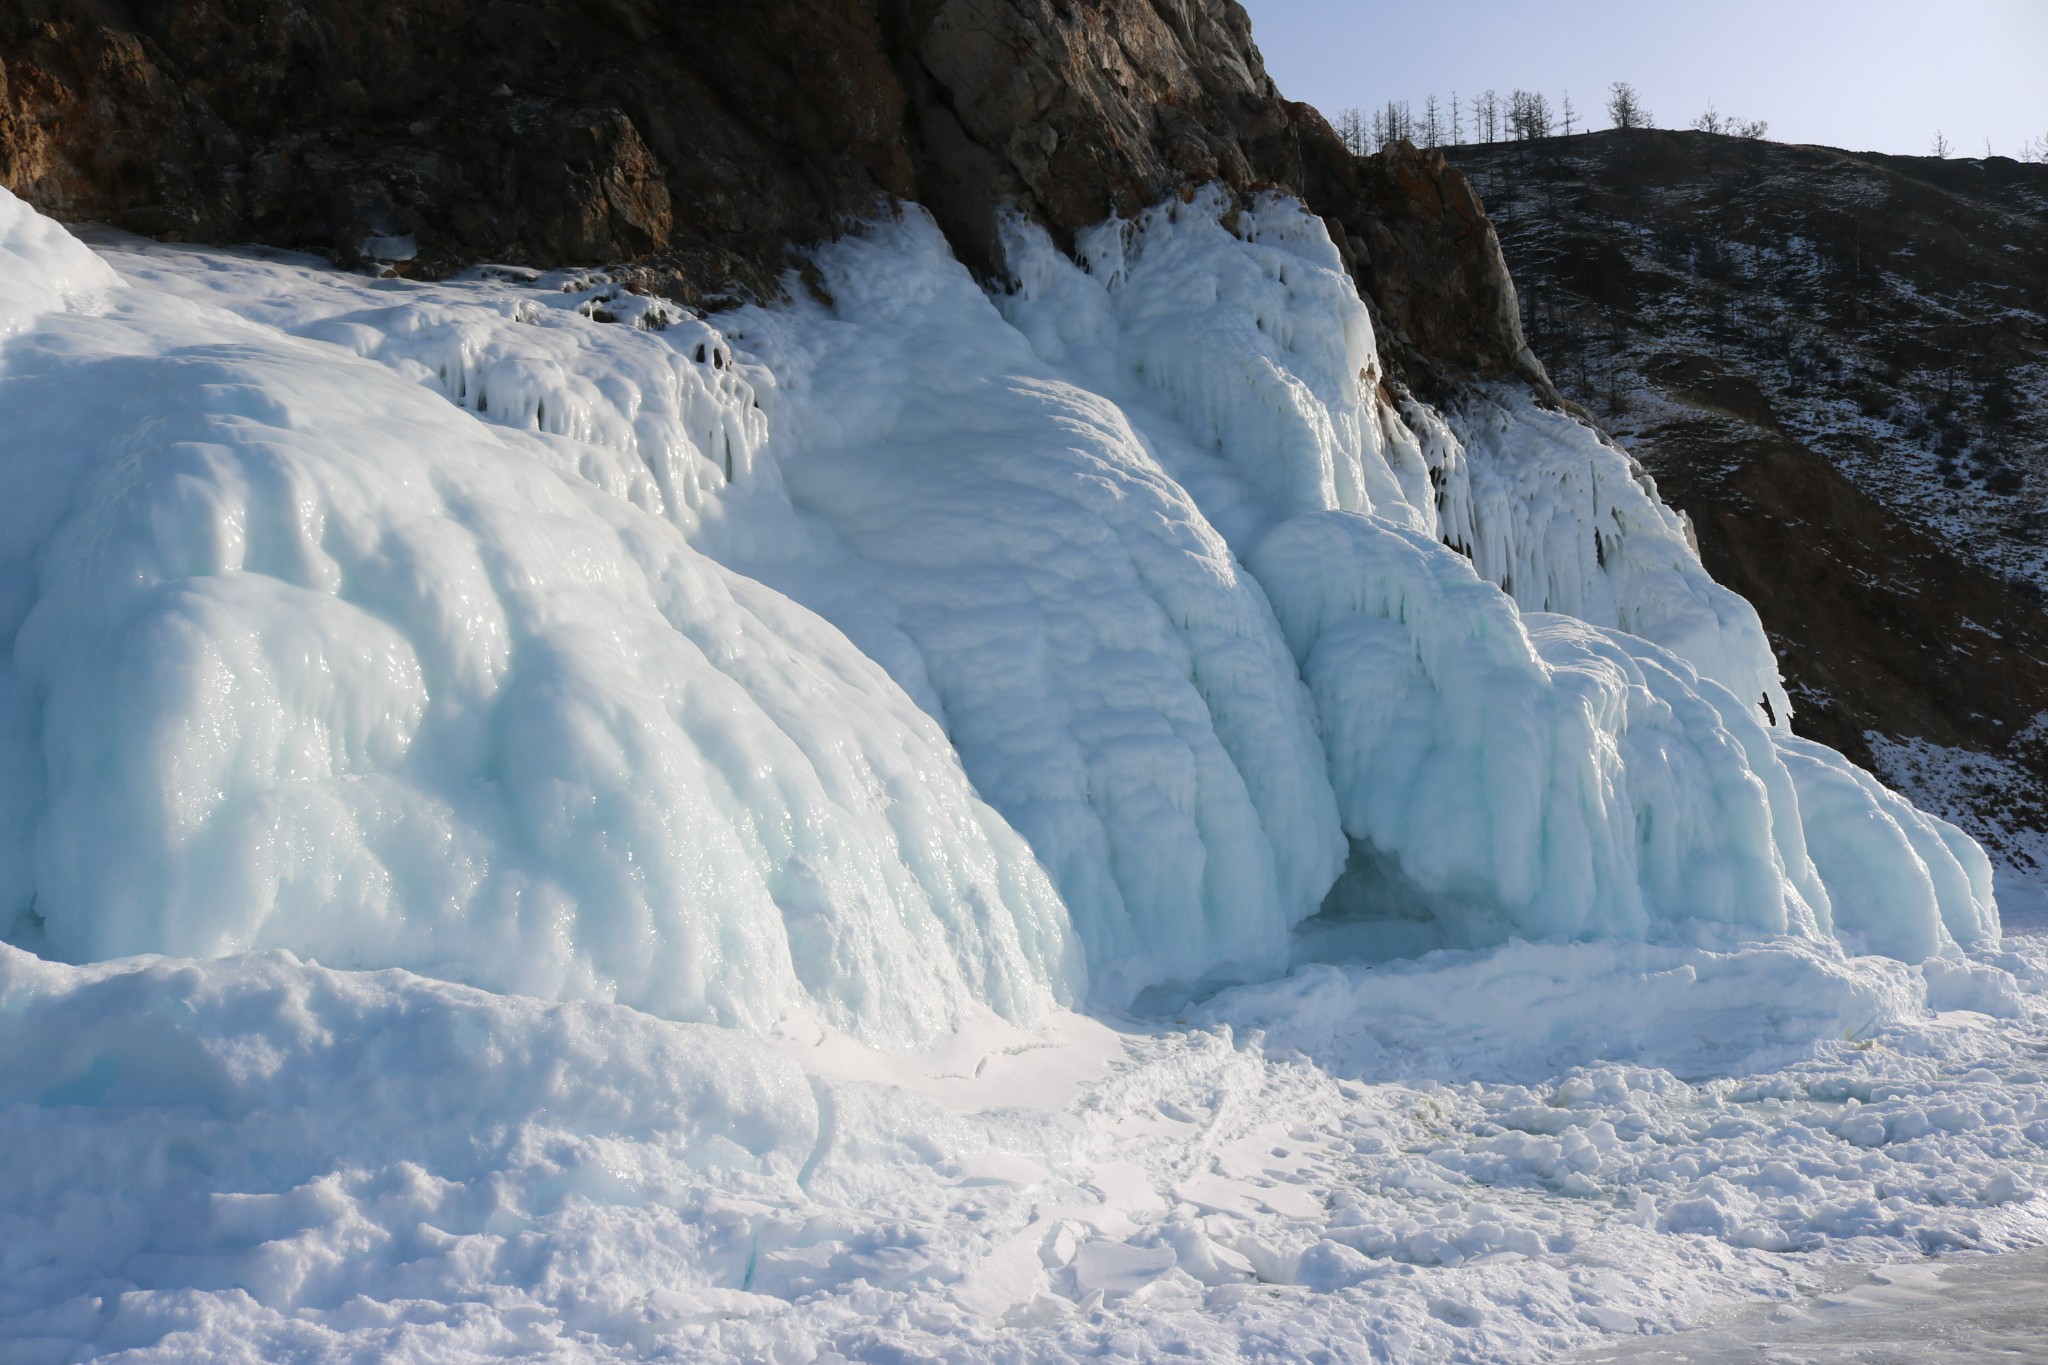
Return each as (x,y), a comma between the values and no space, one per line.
(1241,324)
(1530,775)
(303,654)
(47,268)
(1540,717)
(883,652)
(1008,543)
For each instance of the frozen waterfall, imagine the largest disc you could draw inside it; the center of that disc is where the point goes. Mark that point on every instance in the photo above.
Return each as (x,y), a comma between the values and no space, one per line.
(893,653)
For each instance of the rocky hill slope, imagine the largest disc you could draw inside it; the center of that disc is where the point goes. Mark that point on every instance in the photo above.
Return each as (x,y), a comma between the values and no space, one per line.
(1837,364)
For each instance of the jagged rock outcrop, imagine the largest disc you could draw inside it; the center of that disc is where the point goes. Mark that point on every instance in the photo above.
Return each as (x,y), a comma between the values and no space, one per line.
(1431,262)
(703,140)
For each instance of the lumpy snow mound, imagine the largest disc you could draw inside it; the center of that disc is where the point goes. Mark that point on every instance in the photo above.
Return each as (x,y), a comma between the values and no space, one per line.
(1483,1157)
(573,827)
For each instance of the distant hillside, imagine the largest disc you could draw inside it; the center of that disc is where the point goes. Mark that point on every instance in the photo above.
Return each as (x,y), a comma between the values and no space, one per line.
(1837,364)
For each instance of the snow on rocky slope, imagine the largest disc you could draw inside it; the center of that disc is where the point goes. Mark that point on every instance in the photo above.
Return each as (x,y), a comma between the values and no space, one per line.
(1837,364)
(628,804)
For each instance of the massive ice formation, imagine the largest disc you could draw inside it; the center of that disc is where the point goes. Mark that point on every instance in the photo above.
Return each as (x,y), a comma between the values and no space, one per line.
(304,655)
(453,627)
(1498,770)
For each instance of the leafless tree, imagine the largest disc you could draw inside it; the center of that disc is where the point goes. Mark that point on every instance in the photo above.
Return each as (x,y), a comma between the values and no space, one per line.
(1392,122)
(1486,113)
(1351,130)
(1400,121)
(1625,107)
(1566,114)
(1942,146)
(1432,123)
(1713,121)
(1528,115)
(1457,123)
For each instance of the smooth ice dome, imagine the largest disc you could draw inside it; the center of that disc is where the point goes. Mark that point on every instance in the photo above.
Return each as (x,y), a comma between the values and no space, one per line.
(883,657)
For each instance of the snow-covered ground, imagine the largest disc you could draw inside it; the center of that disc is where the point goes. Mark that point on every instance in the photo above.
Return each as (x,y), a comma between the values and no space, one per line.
(913,823)
(1935,1312)
(1501,1155)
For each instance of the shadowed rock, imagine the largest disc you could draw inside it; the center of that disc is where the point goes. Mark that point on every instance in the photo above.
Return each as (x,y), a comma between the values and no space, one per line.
(703,141)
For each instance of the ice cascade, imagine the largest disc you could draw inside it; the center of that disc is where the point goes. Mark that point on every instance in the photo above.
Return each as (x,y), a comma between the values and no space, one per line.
(1540,716)
(303,655)
(891,653)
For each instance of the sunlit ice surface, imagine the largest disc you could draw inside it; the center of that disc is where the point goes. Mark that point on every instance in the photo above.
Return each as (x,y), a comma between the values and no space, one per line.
(1058,817)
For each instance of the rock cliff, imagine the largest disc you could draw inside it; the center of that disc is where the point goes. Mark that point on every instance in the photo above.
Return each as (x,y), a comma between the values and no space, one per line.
(702,141)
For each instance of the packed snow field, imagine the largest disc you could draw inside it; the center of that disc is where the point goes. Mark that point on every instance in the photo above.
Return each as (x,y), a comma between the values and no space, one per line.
(916,821)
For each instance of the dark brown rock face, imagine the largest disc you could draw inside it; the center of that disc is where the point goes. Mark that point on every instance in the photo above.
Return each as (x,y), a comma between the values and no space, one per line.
(1431,262)
(550,132)
(703,139)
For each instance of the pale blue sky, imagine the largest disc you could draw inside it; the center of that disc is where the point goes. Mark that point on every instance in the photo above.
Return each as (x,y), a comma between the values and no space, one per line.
(1869,75)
